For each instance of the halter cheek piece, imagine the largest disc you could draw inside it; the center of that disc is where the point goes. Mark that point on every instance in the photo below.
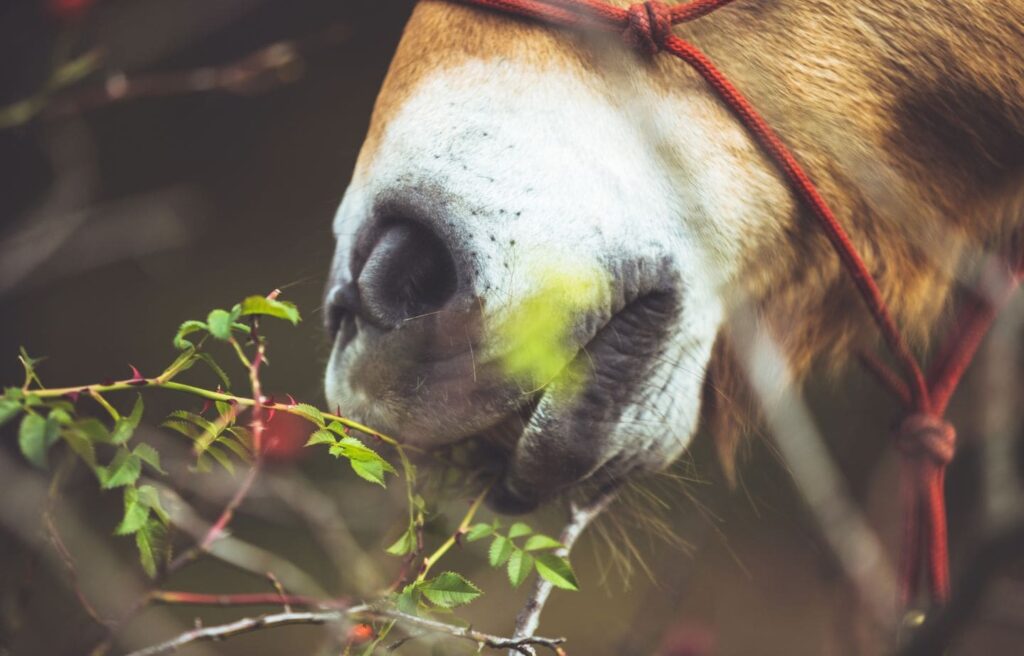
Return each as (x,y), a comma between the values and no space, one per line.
(924,439)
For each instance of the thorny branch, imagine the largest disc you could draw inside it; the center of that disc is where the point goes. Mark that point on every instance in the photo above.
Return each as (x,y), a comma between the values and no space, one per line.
(363,612)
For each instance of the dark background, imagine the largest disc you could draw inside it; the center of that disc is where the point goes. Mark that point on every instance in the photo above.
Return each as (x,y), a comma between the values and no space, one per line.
(152,211)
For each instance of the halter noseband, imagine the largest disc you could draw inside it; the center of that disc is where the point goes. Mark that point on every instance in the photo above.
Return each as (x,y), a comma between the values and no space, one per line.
(925,440)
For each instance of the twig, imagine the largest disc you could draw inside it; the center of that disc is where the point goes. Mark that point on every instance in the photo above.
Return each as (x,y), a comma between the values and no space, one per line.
(250,624)
(580,516)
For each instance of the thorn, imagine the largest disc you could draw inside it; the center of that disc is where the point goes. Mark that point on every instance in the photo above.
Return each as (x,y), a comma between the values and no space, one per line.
(74,395)
(206,406)
(137,376)
(291,399)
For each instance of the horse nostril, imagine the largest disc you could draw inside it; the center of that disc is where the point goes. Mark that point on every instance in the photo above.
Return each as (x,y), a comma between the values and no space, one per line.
(410,272)
(342,303)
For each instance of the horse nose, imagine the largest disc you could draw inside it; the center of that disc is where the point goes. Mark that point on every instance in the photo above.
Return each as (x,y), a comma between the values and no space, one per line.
(409,272)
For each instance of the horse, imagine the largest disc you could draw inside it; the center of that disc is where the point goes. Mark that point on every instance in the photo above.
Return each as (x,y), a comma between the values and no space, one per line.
(503,154)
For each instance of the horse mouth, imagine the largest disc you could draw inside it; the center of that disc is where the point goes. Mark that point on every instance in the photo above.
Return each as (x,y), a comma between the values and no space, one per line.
(616,355)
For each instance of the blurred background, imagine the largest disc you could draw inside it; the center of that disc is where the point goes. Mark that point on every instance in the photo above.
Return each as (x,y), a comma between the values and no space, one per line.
(159,159)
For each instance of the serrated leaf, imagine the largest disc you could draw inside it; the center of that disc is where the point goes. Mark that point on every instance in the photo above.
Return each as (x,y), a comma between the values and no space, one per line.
(125,427)
(322,436)
(135,513)
(409,600)
(310,412)
(149,540)
(338,428)
(243,436)
(208,430)
(540,542)
(150,497)
(261,305)
(216,369)
(81,445)
(235,447)
(520,564)
(93,429)
(519,529)
(557,571)
(224,409)
(219,323)
(124,470)
(478,532)
(449,590)
(35,437)
(186,428)
(150,456)
(404,544)
(184,330)
(371,470)
(222,458)
(60,415)
(500,550)
(9,409)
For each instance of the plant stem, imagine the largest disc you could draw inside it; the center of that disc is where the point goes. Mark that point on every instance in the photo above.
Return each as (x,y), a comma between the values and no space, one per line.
(450,542)
(156,383)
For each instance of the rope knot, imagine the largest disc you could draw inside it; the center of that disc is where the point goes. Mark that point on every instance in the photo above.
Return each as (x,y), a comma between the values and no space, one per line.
(650,24)
(922,435)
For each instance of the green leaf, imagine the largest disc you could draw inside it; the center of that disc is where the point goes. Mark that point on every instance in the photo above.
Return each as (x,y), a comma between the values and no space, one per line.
(404,544)
(478,532)
(150,497)
(149,540)
(187,429)
(222,458)
(338,428)
(501,549)
(322,436)
(219,322)
(518,530)
(184,331)
(135,513)
(540,542)
(94,430)
(208,430)
(8,410)
(125,427)
(557,571)
(150,456)
(35,437)
(262,305)
(449,590)
(80,443)
(409,601)
(310,412)
(124,470)
(520,564)
(371,470)
(235,446)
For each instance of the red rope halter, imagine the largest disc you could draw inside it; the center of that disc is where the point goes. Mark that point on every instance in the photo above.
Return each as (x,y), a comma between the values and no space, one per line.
(925,440)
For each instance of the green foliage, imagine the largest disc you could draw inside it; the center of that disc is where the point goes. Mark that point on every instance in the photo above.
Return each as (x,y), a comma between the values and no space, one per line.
(35,437)
(111,449)
(261,305)
(518,560)
(449,590)
(538,333)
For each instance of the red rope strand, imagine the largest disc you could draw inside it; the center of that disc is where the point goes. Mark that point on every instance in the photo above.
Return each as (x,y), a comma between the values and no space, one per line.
(925,440)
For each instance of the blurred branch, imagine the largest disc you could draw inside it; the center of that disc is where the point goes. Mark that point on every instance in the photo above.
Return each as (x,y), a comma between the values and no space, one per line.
(855,545)
(250,624)
(269,67)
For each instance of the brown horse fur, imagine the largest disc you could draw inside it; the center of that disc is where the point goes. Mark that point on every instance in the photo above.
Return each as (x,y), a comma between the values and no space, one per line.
(908,114)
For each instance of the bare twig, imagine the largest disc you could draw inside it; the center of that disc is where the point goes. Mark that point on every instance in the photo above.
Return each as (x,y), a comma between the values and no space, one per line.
(250,624)
(580,516)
